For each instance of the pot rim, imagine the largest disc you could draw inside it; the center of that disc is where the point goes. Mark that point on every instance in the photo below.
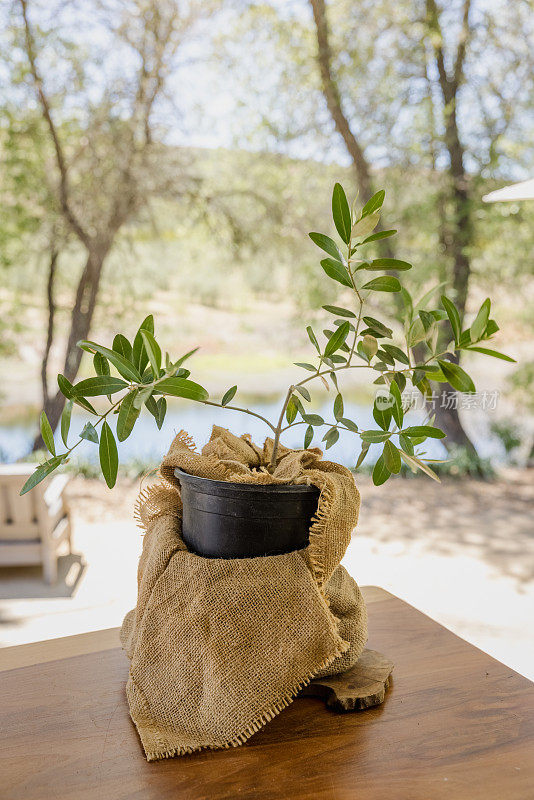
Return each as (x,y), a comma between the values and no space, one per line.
(209,485)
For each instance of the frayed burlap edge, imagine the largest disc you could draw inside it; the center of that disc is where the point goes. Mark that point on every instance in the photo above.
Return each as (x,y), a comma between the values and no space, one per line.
(156,749)
(163,498)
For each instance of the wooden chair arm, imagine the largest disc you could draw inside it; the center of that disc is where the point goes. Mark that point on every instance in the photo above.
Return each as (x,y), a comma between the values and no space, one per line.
(55,488)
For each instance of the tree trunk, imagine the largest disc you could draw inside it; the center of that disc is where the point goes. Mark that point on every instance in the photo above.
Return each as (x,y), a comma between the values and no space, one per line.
(456,232)
(81,318)
(447,418)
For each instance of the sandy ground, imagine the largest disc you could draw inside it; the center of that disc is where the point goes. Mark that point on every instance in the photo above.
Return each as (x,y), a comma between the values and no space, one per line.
(462,552)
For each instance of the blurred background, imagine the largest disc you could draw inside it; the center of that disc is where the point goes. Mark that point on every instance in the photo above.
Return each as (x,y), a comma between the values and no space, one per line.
(170,157)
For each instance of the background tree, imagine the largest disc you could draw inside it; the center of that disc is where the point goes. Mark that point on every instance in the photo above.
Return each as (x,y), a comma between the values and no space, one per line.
(410,84)
(101,134)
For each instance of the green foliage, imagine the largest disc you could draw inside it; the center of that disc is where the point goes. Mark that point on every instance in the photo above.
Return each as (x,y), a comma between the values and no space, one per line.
(146,381)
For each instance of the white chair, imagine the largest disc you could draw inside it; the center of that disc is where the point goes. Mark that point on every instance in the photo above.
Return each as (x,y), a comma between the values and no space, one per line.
(34,526)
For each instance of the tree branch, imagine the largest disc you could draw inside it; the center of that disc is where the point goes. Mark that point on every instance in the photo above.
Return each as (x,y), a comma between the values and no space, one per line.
(51,314)
(45,105)
(463,42)
(333,99)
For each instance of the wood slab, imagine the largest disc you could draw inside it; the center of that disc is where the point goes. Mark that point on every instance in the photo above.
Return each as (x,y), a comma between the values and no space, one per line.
(455,725)
(363,686)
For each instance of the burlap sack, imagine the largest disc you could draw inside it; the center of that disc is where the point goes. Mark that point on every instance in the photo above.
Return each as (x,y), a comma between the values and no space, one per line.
(218,647)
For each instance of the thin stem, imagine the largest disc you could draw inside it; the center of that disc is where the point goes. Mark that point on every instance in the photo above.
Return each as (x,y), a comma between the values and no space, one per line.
(100,419)
(278,429)
(243,411)
(303,422)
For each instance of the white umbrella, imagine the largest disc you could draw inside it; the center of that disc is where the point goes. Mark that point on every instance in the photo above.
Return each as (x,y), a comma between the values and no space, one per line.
(516,191)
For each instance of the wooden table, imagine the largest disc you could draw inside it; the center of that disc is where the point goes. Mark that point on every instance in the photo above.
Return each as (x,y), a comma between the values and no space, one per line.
(455,724)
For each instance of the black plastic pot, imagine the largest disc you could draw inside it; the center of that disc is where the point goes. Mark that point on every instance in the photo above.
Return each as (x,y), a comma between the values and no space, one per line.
(243,520)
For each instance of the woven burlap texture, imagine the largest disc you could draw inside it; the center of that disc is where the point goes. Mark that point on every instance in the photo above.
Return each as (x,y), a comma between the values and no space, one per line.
(218,647)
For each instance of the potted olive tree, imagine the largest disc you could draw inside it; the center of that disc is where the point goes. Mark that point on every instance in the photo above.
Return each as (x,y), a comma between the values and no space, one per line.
(135,375)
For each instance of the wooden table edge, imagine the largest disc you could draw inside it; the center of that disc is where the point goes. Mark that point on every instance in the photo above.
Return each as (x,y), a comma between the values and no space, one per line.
(27,655)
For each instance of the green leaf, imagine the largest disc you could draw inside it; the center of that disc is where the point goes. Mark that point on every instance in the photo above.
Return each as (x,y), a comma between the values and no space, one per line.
(89,433)
(103,384)
(142,397)
(185,357)
(122,346)
(380,472)
(400,380)
(417,332)
(426,297)
(66,389)
(454,317)
(109,457)
(341,212)
(465,338)
(363,453)
(365,225)
(396,353)
(386,357)
(494,353)
(375,237)
(379,327)
(41,473)
(152,406)
(481,320)
(338,407)
(127,418)
(329,334)
(382,412)
(309,367)
(374,437)
(153,351)
(339,312)
(349,424)
(308,437)
(291,410)
(397,409)
(65,386)
(390,263)
(336,271)
(47,433)
(385,283)
(313,419)
(161,407)
(337,339)
(428,431)
(427,319)
(406,444)
(313,339)
(180,387)
(298,404)
(101,364)
(491,328)
(139,354)
(374,203)
(392,459)
(327,244)
(418,375)
(304,392)
(331,437)
(124,367)
(457,377)
(369,345)
(415,463)
(65,421)
(228,395)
